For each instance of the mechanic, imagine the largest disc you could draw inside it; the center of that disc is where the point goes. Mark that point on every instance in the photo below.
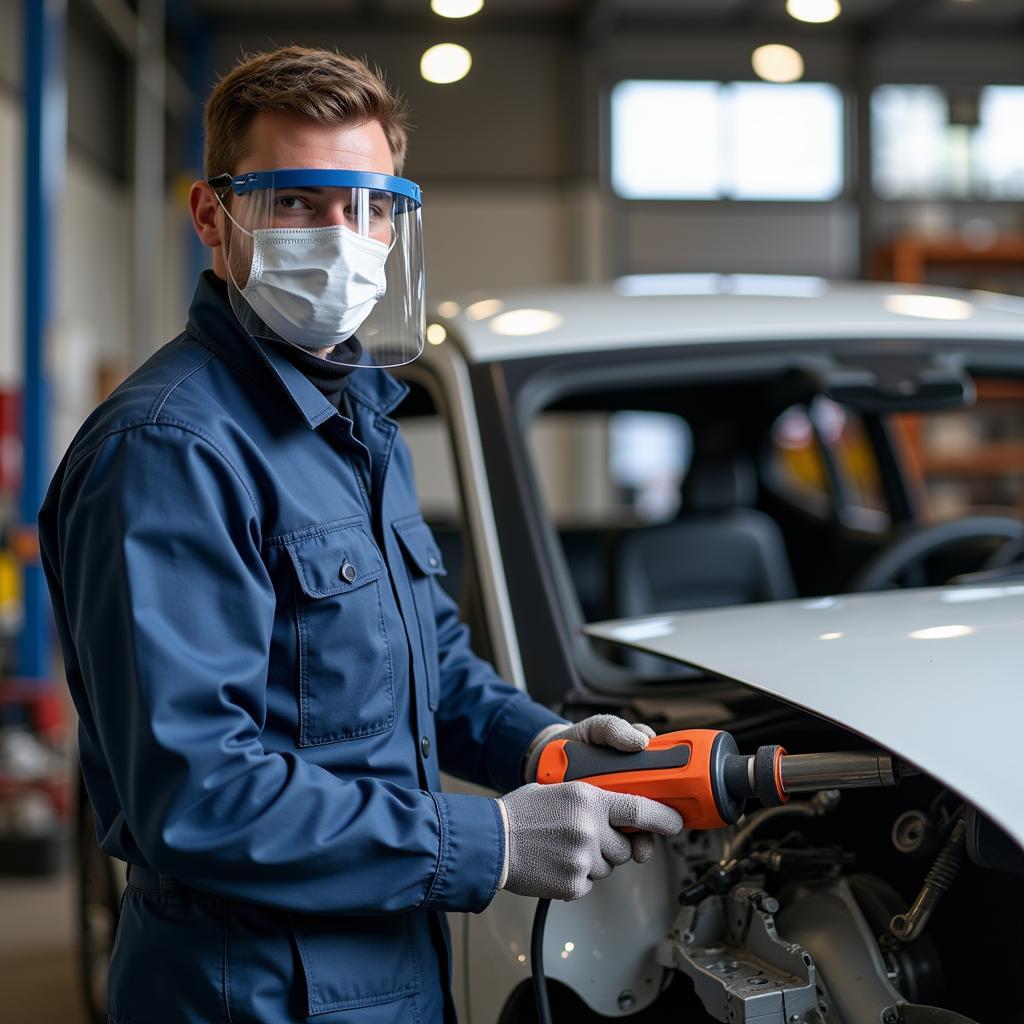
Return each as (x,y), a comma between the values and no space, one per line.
(268,674)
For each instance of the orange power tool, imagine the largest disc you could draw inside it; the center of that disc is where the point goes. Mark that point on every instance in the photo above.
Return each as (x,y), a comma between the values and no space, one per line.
(702,774)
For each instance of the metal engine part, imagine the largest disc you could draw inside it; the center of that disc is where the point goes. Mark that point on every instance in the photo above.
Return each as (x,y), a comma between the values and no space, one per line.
(908,926)
(825,918)
(742,971)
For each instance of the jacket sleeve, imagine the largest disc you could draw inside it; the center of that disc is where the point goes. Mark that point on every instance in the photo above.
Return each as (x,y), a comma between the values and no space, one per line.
(169,607)
(484,724)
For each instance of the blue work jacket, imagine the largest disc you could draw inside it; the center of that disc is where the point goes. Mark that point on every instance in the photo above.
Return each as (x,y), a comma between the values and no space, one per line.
(269,679)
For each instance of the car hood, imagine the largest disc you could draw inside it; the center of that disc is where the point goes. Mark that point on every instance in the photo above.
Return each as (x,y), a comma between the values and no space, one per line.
(933,675)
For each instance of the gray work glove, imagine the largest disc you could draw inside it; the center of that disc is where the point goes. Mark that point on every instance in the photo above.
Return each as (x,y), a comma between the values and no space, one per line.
(563,836)
(601,731)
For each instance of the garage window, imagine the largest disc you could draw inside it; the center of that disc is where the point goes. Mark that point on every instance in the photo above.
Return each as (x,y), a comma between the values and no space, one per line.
(932,144)
(738,140)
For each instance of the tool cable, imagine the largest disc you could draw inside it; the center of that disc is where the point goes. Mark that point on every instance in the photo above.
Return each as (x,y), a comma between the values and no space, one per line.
(540,984)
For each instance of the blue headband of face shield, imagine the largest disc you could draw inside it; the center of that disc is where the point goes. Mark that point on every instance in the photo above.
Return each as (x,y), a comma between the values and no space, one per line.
(317,177)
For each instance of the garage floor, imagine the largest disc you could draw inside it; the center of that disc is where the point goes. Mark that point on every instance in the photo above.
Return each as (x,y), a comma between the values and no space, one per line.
(38,980)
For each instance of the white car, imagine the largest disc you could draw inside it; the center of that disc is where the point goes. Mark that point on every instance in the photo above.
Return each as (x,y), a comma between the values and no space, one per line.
(603,464)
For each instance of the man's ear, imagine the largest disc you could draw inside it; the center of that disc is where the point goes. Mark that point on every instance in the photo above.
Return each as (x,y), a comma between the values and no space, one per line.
(204,206)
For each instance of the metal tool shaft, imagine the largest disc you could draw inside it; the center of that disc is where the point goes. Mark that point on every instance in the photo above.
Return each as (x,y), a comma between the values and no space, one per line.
(802,773)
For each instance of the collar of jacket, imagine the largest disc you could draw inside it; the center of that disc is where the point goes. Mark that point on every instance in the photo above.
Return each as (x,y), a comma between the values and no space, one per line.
(212,322)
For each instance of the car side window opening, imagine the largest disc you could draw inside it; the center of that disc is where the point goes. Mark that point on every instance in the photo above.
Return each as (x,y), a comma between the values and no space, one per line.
(822,456)
(963,461)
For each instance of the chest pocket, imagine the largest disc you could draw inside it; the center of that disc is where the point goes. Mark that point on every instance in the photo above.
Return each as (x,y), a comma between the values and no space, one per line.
(423,559)
(346,671)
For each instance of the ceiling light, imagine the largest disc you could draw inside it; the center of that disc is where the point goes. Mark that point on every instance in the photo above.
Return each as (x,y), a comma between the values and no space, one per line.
(456,8)
(436,334)
(445,63)
(817,12)
(777,63)
(521,322)
(931,307)
(448,308)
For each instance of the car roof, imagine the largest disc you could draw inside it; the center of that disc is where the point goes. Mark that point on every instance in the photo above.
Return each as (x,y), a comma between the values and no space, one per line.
(719,309)
(932,675)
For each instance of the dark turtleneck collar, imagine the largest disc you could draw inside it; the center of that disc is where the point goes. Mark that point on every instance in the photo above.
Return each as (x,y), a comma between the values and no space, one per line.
(329,376)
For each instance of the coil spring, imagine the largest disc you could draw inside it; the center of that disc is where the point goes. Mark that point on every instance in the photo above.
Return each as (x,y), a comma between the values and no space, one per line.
(944,871)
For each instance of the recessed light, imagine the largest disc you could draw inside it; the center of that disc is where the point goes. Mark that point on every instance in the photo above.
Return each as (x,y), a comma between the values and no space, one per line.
(445,63)
(777,63)
(436,334)
(456,8)
(448,308)
(817,12)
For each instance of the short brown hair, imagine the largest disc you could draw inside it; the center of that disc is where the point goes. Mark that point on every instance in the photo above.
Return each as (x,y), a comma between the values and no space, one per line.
(322,85)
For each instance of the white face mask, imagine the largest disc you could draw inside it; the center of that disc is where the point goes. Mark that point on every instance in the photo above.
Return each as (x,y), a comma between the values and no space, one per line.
(315,286)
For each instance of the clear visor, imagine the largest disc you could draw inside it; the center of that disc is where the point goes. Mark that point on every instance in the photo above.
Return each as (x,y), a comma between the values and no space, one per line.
(326,259)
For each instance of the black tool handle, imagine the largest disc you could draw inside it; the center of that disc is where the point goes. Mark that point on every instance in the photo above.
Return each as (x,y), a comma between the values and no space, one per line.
(586,761)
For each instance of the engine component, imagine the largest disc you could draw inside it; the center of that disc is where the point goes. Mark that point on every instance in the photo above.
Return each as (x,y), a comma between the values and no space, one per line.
(907,927)
(825,918)
(821,803)
(741,970)
(914,968)
(722,877)
(914,834)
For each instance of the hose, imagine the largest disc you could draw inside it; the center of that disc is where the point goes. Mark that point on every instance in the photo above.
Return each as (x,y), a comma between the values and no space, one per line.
(540,985)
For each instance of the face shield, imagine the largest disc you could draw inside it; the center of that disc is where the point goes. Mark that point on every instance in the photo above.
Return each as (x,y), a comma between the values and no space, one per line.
(315,255)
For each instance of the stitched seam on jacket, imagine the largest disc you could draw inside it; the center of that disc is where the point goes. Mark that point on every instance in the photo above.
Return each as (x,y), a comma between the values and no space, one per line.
(312,532)
(201,339)
(374,1000)
(161,400)
(442,851)
(187,428)
(499,866)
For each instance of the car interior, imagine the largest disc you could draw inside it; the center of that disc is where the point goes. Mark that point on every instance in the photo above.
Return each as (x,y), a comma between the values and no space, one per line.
(782,492)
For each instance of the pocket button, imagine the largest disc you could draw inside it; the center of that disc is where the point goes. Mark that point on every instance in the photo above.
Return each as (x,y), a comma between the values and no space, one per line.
(349,572)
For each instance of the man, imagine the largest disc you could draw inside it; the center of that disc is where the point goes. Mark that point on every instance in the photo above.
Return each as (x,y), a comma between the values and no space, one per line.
(268,676)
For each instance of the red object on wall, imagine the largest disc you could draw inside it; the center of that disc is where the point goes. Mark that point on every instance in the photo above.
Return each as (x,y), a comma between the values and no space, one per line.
(11,447)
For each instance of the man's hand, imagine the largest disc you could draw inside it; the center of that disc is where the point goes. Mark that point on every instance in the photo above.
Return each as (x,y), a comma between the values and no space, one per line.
(563,836)
(600,731)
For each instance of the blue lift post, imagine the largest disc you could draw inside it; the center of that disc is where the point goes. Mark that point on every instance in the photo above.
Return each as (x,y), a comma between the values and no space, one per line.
(45,98)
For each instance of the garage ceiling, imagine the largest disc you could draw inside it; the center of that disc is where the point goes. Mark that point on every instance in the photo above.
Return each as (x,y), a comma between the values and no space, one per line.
(951,14)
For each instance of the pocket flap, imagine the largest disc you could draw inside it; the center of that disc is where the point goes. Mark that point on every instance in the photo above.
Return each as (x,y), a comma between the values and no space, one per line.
(420,545)
(343,559)
(354,963)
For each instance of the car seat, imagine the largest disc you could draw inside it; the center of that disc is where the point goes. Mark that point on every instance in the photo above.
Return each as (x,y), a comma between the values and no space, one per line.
(719,551)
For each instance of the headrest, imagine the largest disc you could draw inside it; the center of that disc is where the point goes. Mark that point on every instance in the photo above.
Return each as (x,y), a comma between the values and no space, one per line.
(714,485)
